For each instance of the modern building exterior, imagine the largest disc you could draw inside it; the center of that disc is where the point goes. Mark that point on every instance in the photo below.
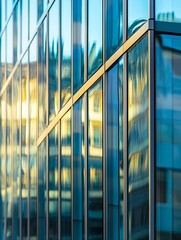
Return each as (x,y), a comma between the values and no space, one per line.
(90,119)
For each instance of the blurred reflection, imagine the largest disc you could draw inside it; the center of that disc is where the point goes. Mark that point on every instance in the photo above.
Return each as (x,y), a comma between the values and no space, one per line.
(42,5)
(65,176)
(33,137)
(78,43)
(115,151)
(16,33)
(9,169)
(33,16)
(53,184)
(2,60)
(2,13)
(9,49)
(2,166)
(138,203)
(24,142)
(78,168)
(42,109)
(168,132)
(94,35)
(137,15)
(53,59)
(95,198)
(168,11)
(65,51)
(25,27)
(16,153)
(114,26)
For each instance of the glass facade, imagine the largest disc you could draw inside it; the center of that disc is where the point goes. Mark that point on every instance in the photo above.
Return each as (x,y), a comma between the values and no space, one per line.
(90,119)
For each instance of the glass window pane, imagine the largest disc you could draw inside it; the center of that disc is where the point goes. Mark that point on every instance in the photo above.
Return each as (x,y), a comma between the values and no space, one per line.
(33,137)
(53,184)
(114,26)
(78,168)
(9,7)
(42,6)
(24,143)
(16,33)
(168,11)
(16,153)
(115,151)
(65,176)
(137,15)
(2,13)
(2,60)
(42,108)
(78,43)
(95,165)
(53,59)
(33,16)
(65,51)
(94,35)
(138,160)
(24,21)
(168,132)
(9,48)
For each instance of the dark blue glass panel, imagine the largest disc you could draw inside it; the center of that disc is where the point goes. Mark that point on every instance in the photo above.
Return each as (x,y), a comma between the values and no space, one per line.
(42,191)
(78,169)
(114,26)
(95,164)
(65,51)
(137,15)
(65,176)
(78,43)
(94,35)
(53,59)
(168,11)
(168,141)
(53,184)
(138,159)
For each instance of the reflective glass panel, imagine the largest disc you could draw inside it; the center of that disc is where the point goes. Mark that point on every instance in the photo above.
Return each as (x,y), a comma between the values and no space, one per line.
(95,165)
(114,26)
(16,33)
(24,21)
(42,108)
(168,141)
(2,166)
(78,43)
(138,160)
(9,7)
(9,169)
(16,153)
(94,35)
(2,60)
(9,48)
(115,151)
(33,16)
(42,191)
(168,11)
(2,13)
(53,59)
(65,51)
(137,15)
(65,176)
(78,168)
(24,144)
(53,184)
(42,5)
(33,137)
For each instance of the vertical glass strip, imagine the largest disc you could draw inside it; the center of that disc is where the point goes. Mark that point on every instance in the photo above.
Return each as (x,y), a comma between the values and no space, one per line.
(65,176)
(24,35)
(138,159)
(33,16)
(16,33)
(9,48)
(95,164)
(33,137)
(53,184)
(65,51)
(78,169)
(94,36)
(2,60)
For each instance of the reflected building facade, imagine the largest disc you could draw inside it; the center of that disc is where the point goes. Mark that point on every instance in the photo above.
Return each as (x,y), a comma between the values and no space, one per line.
(90,119)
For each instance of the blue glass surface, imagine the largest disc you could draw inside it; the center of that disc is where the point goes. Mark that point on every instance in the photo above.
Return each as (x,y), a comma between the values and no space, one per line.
(2,13)
(65,83)
(168,141)
(168,11)
(137,15)
(114,26)
(95,164)
(2,60)
(78,169)
(78,43)
(33,16)
(9,49)
(94,35)
(138,159)
(53,60)
(16,33)
(25,25)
